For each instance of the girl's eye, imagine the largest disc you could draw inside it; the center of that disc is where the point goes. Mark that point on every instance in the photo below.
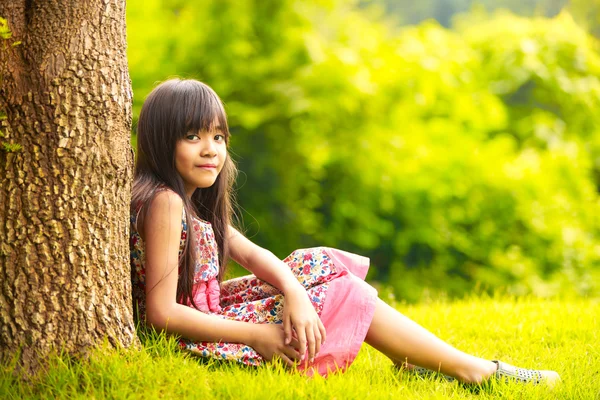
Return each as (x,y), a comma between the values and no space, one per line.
(219,138)
(192,137)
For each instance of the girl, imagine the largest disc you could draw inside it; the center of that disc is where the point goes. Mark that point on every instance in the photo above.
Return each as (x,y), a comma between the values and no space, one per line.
(313,310)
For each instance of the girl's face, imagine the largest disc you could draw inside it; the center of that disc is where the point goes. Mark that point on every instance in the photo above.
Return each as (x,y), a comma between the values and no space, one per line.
(199,158)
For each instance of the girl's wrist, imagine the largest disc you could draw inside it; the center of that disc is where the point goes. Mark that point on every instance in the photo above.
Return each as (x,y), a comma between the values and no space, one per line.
(292,288)
(255,334)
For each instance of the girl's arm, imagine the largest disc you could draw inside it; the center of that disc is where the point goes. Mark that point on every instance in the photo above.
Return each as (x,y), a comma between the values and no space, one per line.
(299,313)
(262,263)
(162,233)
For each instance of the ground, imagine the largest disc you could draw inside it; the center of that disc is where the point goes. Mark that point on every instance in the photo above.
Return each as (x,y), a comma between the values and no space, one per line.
(555,334)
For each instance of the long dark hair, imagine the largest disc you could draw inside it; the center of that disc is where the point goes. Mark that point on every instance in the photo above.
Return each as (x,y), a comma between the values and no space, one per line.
(171,110)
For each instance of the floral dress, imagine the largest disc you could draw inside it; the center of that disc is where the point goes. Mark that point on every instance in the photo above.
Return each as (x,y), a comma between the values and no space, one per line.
(333,280)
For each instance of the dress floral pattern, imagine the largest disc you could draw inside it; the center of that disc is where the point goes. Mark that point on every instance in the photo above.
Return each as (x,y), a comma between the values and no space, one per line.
(250,299)
(247,298)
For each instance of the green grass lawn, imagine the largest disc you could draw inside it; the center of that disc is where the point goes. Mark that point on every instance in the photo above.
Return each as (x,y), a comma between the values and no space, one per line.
(552,334)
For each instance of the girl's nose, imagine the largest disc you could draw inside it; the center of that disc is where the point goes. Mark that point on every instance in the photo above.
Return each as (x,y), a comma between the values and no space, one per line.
(209,150)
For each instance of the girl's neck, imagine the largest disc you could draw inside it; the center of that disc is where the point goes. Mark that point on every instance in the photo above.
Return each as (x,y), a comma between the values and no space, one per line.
(189,191)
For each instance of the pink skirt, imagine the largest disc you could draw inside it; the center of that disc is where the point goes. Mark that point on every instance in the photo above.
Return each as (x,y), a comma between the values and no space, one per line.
(334,281)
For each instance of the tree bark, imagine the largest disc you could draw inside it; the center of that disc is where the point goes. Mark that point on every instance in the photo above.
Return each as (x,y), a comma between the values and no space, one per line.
(65,100)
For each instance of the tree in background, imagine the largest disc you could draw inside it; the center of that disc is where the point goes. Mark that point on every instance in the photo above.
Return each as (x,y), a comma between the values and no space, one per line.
(65,173)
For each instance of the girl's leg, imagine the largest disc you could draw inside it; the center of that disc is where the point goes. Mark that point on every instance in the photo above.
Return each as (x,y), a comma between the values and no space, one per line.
(405,341)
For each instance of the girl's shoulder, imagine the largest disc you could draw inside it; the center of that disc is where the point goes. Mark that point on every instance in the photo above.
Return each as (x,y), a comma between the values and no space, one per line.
(161,192)
(163,209)
(166,200)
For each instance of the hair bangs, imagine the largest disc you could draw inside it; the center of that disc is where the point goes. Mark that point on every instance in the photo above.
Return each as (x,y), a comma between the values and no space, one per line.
(205,111)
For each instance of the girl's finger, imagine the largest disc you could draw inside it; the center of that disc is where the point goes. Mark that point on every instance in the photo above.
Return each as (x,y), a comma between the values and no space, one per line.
(288,363)
(301,332)
(317,340)
(291,353)
(322,330)
(294,343)
(287,329)
(310,337)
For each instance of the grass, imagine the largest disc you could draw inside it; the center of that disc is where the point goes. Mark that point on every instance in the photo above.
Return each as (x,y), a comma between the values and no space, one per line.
(561,335)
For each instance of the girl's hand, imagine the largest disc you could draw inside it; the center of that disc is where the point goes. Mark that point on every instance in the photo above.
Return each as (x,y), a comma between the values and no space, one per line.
(300,315)
(269,342)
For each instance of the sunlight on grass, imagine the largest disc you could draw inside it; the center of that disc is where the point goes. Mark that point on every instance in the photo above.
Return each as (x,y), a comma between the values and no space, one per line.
(559,335)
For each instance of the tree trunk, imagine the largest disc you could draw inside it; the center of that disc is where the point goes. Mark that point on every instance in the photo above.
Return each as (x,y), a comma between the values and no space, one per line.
(65,175)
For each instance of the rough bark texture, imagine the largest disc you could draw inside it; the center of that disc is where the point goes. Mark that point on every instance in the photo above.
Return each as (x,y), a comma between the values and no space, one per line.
(64,196)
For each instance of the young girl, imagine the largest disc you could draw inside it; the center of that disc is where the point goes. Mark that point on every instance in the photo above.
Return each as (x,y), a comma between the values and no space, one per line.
(313,310)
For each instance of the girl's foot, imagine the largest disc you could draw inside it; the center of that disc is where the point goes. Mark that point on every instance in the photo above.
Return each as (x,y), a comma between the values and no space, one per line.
(508,372)
(503,371)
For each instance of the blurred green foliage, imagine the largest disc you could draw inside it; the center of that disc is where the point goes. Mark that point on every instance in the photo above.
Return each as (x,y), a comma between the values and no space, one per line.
(587,14)
(443,11)
(454,159)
